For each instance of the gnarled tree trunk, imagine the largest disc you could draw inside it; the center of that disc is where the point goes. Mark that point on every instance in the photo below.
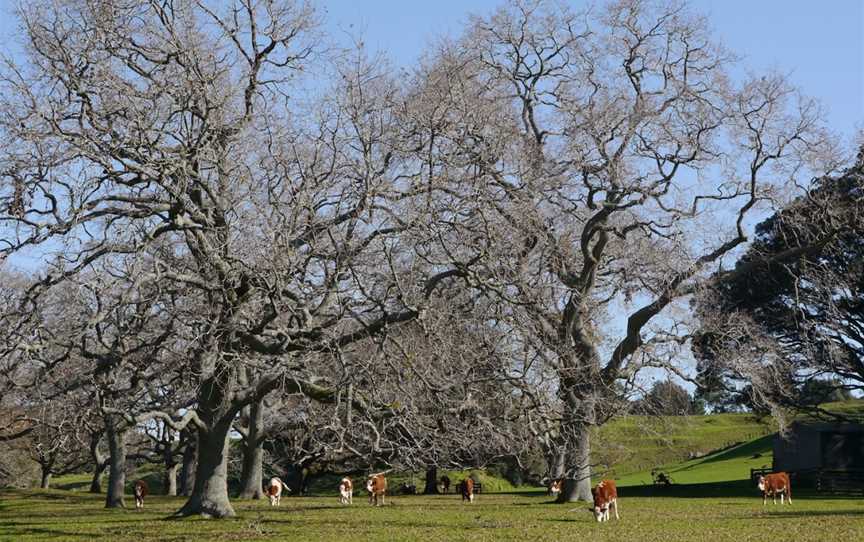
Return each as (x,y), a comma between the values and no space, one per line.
(209,496)
(45,483)
(577,482)
(431,481)
(575,444)
(116,437)
(187,471)
(171,479)
(251,479)
(100,463)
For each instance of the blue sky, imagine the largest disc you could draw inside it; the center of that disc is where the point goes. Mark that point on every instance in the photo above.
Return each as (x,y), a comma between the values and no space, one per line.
(820,44)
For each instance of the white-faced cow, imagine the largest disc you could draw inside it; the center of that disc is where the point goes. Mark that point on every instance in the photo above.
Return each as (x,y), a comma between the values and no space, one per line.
(775,484)
(376,485)
(140,490)
(346,491)
(605,497)
(274,490)
(467,489)
(555,487)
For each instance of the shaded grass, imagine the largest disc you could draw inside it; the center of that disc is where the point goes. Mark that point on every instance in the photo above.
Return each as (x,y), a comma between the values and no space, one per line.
(37,515)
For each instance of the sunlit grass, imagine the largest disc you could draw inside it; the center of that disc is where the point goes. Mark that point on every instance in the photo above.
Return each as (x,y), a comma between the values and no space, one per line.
(61,515)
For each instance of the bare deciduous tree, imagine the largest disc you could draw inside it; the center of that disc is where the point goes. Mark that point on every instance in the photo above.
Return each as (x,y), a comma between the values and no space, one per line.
(172,134)
(601,162)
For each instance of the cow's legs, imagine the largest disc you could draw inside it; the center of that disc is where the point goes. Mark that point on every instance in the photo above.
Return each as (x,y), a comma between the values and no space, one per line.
(615,503)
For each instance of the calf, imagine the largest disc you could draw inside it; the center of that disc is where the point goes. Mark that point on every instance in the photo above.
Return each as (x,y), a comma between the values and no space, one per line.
(467,488)
(555,487)
(274,490)
(376,485)
(605,497)
(140,490)
(346,491)
(774,484)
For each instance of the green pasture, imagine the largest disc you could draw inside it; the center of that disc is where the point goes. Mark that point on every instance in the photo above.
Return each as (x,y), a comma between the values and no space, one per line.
(708,458)
(64,515)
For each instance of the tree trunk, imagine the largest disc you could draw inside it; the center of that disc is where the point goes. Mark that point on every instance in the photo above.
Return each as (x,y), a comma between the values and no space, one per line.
(431,481)
(171,479)
(46,478)
(209,496)
(252,477)
(100,463)
(116,464)
(187,472)
(96,481)
(577,483)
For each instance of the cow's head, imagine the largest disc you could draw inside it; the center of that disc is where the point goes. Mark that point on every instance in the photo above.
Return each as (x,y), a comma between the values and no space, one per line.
(599,512)
(761,483)
(369,485)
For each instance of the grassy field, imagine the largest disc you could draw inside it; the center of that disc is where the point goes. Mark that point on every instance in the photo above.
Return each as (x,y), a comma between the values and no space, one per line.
(63,515)
(708,457)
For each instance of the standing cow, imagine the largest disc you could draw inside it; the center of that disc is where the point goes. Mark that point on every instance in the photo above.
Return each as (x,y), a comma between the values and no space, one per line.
(346,491)
(774,484)
(555,487)
(376,485)
(274,490)
(140,490)
(467,490)
(605,497)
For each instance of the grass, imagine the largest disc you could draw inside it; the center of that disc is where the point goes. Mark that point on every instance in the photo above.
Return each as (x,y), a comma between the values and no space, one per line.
(62,515)
(711,499)
(634,445)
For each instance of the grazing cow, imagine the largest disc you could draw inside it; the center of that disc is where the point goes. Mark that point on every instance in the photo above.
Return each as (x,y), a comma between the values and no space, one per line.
(467,489)
(346,491)
(605,497)
(274,490)
(376,485)
(408,489)
(555,487)
(774,484)
(445,484)
(140,490)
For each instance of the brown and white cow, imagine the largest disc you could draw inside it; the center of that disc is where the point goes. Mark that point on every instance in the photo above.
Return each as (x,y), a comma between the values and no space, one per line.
(605,497)
(140,490)
(467,489)
(555,487)
(376,485)
(274,490)
(775,484)
(346,491)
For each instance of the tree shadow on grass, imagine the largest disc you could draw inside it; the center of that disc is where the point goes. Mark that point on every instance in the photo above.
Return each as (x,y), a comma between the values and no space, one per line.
(762,445)
(809,513)
(17,532)
(734,488)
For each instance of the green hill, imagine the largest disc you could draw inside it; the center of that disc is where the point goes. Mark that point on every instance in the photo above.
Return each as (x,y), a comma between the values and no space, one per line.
(692,449)
(629,448)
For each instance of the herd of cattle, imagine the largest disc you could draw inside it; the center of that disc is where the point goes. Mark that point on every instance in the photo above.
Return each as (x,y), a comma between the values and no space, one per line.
(605,493)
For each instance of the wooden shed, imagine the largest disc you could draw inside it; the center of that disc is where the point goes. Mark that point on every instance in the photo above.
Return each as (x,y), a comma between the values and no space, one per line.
(827,456)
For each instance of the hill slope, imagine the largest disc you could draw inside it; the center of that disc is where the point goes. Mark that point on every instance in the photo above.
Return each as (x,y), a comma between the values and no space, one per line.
(634,445)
